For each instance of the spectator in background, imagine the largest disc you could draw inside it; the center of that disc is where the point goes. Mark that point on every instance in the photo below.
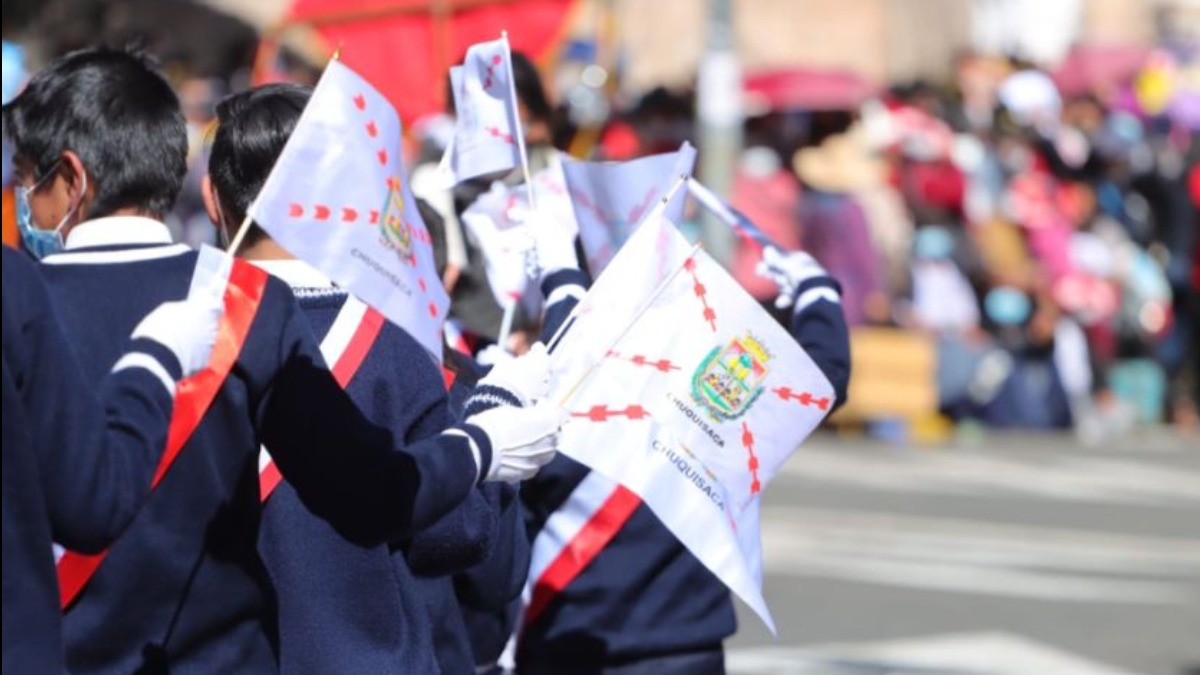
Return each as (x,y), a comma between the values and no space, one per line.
(766,193)
(834,226)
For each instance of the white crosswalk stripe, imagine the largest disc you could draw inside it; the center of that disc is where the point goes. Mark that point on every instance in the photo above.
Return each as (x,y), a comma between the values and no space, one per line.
(1062,477)
(1079,548)
(980,558)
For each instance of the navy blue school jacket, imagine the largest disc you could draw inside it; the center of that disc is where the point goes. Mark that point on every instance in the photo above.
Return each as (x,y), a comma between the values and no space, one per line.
(75,469)
(473,609)
(645,596)
(184,588)
(348,608)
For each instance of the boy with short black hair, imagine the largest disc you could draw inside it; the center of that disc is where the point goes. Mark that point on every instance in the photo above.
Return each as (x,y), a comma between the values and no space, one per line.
(101,144)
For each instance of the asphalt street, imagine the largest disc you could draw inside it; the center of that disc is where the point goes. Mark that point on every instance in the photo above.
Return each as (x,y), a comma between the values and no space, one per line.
(1005,555)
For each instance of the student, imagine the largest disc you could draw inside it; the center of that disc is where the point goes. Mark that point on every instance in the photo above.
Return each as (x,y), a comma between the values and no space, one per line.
(645,604)
(101,133)
(478,617)
(76,469)
(345,608)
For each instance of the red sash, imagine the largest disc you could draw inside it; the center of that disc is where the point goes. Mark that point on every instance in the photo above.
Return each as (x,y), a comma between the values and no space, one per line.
(193,396)
(573,536)
(346,345)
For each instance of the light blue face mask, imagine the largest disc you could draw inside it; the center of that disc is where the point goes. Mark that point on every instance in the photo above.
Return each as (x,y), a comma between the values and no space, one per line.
(1007,306)
(40,243)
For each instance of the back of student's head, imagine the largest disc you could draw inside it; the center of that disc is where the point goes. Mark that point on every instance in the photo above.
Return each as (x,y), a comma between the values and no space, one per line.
(252,129)
(527,83)
(115,111)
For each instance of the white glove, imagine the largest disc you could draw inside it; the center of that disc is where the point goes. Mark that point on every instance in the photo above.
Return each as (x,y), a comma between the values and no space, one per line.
(526,377)
(186,327)
(523,439)
(554,242)
(788,271)
(492,355)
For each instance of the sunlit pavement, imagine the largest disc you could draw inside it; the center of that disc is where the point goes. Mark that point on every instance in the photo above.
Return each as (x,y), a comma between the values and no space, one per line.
(1028,554)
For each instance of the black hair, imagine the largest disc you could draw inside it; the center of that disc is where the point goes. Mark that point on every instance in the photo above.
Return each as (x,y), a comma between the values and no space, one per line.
(116,111)
(528,85)
(252,129)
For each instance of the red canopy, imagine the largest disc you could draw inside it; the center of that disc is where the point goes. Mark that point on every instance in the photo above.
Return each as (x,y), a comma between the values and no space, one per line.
(806,89)
(404,47)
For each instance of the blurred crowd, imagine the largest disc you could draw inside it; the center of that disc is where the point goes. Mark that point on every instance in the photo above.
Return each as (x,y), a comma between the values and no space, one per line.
(1039,228)
(1042,231)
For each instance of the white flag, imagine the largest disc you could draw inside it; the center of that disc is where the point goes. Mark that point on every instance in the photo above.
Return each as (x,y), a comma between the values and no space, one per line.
(694,405)
(487,132)
(496,223)
(612,198)
(338,199)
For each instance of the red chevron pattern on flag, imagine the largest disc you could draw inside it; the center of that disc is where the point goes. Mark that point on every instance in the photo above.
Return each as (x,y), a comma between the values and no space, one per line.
(487,133)
(687,393)
(338,199)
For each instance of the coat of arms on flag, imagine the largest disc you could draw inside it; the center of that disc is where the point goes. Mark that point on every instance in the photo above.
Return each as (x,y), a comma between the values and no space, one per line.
(338,199)
(397,233)
(686,392)
(729,379)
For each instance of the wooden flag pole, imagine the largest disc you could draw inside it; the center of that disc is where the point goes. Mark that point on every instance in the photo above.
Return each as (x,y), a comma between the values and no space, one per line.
(628,326)
(244,228)
(238,238)
(655,213)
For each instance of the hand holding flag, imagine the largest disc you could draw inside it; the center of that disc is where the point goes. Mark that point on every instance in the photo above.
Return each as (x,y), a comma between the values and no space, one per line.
(788,271)
(698,398)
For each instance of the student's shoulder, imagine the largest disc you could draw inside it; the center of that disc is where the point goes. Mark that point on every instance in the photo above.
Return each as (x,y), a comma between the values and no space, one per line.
(23,291)
(16,264)
(402,348)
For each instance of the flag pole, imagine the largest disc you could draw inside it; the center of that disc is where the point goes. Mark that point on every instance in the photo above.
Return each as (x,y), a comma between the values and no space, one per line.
(661,207)
(244,228)
(506,323)
(628,326)
(657,212)
(236,243)
(518,132)
(719,209)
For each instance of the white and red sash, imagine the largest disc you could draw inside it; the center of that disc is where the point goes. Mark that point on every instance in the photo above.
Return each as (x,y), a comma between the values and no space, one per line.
(573,536)
(344,348)
(244,285)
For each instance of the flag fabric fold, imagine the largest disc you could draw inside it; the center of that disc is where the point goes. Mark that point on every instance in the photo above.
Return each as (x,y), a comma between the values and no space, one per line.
(338,198)
(683,389)
(612,198)
(487,131)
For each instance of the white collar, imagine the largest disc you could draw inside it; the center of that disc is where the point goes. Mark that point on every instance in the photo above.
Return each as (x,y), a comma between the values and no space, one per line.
(294,273)
(117,231)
